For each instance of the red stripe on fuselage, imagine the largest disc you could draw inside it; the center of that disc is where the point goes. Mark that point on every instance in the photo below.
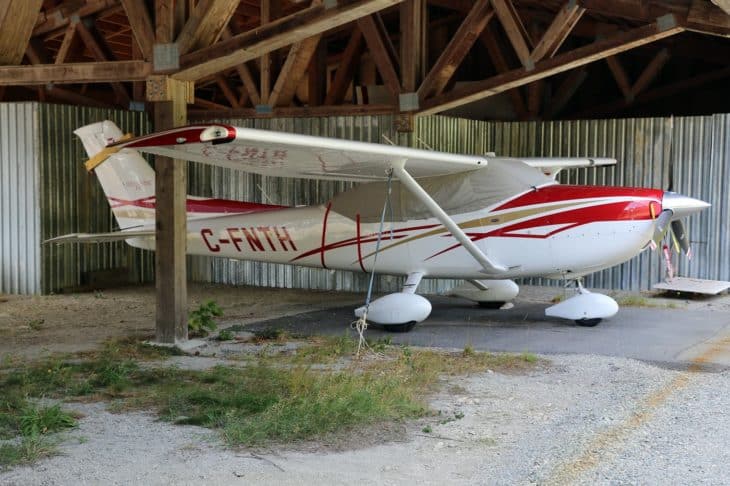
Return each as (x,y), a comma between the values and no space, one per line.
(203,205)
(559,193)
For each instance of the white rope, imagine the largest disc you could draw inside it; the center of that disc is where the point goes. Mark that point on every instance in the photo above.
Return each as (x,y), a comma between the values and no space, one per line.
(361,324)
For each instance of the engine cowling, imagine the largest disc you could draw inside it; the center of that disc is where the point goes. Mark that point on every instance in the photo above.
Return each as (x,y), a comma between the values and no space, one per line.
(400,308)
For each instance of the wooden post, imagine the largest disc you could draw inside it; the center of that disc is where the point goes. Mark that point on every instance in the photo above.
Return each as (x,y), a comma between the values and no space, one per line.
(171,98)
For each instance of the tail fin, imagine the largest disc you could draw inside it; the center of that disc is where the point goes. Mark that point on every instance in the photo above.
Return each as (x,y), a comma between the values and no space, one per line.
(126,178)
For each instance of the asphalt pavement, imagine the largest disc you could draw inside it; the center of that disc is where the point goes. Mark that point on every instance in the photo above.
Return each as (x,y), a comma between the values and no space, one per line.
(673,337)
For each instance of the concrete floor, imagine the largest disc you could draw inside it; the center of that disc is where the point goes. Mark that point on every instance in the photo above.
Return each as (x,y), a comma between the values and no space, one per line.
(669,337)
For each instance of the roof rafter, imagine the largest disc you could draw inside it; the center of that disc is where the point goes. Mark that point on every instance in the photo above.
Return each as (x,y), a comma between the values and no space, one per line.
(293,70)
(275,35)
(17,18)
(205,24)
(141,24)
(457,49)
(624,41)
(380,52)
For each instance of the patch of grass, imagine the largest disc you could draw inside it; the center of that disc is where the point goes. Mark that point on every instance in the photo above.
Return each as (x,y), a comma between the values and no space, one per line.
(26,451)
(225,335)
(557,299)
(634,301)
(277,399)
(36,324)
(268,334)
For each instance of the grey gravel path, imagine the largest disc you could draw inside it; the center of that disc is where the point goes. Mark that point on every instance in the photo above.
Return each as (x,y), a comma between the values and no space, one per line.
(583,420)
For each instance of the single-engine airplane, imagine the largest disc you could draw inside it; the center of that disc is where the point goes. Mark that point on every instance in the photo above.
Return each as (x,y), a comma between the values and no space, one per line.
(485,219)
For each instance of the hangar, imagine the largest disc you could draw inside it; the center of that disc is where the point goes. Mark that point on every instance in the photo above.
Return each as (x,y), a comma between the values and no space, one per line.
(642,81)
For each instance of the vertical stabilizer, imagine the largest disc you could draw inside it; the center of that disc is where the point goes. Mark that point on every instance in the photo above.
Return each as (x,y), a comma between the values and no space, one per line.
(126,178)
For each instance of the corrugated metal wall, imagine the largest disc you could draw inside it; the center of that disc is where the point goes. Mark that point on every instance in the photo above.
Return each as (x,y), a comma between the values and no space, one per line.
(699,154)
(71,199)
(19,212)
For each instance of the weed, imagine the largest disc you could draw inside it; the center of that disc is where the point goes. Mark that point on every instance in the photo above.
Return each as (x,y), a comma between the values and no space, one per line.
(36,324)
(468,350)
(44,420)
(201,321)
(269,334)
(529,357)
(427,429)
(557,299)
(28,450)
(225,335)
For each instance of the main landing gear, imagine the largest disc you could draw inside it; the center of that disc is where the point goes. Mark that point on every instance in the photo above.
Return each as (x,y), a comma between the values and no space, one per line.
(398,312)
(585,308)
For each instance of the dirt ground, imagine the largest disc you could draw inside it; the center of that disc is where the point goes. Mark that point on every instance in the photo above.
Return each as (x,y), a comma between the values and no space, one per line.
(31,327)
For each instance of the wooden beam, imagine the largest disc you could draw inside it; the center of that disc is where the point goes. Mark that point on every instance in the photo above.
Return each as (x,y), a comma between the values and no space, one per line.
(227,91)
(275,35)
(500,63)
(412,43)
(380,54)
(265,17)
(59,18)
(98,52)
(601,49)
(650,72)
(565,91)
(296,111)
(73,73)
(619,74)
(68,39)
(205,24)
(164,21)
(139,21)
(457,49)
(171,219)
(346,69)
(18,20)
(300,55)
(210,105)
(245,74)
(558,31)
(515,30)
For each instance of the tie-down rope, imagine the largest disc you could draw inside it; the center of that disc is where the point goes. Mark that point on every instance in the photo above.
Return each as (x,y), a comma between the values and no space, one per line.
(361,324)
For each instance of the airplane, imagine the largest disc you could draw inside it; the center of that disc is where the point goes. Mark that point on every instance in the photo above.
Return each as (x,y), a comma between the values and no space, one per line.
(484,219)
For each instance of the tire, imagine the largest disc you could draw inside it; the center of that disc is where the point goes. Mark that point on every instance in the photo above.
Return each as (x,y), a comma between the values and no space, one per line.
(399,327)
(490,304)
(588,322)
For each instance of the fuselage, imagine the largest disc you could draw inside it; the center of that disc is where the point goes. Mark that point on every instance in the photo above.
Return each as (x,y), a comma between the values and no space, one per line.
(553,231)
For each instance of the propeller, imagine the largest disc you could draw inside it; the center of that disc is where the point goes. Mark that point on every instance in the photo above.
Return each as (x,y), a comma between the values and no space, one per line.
(676,206)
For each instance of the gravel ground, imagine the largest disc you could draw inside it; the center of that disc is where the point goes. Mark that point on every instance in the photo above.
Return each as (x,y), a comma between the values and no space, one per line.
(582,420)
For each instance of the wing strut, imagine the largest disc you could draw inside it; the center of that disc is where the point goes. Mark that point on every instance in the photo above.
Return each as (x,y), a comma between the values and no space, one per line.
(489,266)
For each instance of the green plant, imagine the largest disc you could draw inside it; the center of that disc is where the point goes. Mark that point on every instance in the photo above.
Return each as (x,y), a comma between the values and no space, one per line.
(201,321)
(44,420)
(36,324)
(225,335)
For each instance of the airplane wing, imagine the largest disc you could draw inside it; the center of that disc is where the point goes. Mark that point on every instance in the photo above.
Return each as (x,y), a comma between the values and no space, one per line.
(292,155)
(551,166)
(101,237)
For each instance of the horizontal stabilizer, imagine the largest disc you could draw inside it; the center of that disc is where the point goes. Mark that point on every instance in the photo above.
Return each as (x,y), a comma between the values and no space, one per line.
(551,166)
(101,237)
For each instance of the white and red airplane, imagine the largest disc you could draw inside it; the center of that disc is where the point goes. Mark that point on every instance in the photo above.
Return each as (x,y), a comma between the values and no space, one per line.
(484,219)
